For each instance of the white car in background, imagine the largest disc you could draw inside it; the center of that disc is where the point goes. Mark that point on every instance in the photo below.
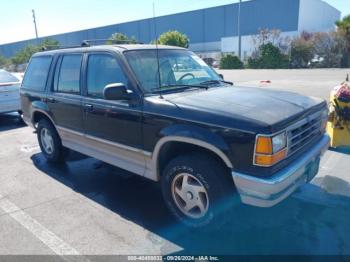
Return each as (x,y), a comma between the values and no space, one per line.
(9,92)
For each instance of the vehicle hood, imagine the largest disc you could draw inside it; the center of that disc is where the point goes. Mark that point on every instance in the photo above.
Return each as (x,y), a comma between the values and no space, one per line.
(244,106)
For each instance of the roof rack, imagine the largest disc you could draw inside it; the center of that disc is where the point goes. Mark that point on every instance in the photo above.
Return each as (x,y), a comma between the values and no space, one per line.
(86,43)
(92,42)
(54,47)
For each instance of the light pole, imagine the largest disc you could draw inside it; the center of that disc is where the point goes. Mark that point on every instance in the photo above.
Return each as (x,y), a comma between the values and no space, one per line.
(239,30)
(34,21)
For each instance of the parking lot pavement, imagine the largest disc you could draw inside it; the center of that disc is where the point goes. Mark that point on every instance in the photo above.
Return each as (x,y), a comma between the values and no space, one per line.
(90,208)
(312,82)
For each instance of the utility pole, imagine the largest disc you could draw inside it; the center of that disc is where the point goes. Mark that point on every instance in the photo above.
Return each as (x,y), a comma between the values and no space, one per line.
(34,20)
(239,31)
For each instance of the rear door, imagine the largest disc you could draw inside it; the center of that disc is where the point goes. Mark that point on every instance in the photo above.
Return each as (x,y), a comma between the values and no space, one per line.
(64,99)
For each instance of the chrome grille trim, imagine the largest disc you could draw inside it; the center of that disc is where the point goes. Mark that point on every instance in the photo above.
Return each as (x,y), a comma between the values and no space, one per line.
(303,132)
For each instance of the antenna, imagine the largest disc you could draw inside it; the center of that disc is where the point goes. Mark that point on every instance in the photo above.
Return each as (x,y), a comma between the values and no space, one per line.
(35,26)
(157,49)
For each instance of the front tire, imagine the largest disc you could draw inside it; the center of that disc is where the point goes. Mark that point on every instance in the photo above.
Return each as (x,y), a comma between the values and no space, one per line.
(50,142)
(197,190)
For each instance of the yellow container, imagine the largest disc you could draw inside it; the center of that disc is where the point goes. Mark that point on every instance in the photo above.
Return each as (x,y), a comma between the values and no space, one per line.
(339,136)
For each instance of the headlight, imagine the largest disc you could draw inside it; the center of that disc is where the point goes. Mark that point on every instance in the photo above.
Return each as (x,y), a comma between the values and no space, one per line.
(269,150)
(279,142)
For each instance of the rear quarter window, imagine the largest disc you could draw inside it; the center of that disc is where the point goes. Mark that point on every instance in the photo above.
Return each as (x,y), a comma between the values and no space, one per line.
(37,72)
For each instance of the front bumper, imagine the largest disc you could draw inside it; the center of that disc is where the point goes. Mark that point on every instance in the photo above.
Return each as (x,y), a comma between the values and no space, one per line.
(268,192)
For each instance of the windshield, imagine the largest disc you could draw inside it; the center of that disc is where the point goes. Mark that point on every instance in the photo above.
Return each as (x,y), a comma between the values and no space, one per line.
(177,68)
(6,77)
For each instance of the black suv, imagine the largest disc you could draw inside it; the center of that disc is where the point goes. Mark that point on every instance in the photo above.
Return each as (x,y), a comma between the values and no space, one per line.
(162,113)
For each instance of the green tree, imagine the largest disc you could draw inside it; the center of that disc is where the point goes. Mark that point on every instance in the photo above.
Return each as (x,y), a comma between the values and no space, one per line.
(24,55)
(343,27)
(302,51)
(3,61)
(269,56)
(174,38)
(230,62)
(119,38)
(49,43)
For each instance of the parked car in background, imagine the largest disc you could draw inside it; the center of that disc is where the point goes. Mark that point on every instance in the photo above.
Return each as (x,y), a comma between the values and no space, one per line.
(9,92)
(211,62)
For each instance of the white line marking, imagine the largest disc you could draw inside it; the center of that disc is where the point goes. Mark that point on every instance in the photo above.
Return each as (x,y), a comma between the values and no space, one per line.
(56,244)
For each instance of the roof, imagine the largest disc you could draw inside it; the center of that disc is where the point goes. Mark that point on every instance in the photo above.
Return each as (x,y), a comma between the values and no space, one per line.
(108,48)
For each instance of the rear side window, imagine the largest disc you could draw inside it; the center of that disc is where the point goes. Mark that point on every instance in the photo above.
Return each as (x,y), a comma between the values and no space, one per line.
(69,74)
(102,70)
(37,72)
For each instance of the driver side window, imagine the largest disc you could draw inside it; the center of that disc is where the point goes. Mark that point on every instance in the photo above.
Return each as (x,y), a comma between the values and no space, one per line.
(102,70)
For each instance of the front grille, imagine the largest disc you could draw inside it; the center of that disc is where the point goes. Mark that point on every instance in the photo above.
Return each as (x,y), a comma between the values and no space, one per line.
(304,132)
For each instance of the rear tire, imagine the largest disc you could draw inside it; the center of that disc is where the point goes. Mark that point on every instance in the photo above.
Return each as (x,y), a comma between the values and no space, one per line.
(197,190)
(50,142)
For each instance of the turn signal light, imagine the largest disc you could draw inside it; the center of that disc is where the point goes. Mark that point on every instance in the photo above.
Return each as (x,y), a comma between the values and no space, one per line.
(269,160)
(270,149)
(264,145)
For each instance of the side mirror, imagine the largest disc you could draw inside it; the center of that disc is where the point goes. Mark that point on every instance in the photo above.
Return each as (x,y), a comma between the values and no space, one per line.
(221,76)
(116,91)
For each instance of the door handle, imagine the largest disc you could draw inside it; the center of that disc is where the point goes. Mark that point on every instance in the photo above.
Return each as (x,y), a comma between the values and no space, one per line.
(88,107)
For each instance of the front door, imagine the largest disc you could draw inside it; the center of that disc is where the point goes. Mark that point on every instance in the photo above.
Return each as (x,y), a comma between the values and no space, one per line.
(111,127)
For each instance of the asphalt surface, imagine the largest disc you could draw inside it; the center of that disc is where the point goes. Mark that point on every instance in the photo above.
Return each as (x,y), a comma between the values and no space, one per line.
(89,208)
(313,82)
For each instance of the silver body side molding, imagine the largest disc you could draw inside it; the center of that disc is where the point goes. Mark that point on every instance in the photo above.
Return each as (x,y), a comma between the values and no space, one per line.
(135,160)
(128,158)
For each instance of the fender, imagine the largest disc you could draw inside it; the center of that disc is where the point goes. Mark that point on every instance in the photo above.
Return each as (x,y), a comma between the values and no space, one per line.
(39,106)
(192,135)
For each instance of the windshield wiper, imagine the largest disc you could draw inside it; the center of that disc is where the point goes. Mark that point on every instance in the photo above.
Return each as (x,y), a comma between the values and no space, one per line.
(177,87)
(210,82)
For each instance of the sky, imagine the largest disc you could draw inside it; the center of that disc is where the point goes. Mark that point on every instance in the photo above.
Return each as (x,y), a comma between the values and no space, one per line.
(55,17)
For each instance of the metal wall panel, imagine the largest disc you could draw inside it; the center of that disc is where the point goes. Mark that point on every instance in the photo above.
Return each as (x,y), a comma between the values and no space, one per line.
(201,26)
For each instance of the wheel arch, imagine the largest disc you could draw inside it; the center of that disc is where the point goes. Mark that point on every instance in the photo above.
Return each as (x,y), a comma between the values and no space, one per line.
(159,159)
(39,114)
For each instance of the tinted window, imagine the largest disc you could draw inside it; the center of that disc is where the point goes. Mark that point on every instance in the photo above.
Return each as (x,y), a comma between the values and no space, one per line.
(103,70)
(69,74)
(6,77)
(37,72)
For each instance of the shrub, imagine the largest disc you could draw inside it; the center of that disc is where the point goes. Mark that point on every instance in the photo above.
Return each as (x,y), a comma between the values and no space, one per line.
(230,62)
(119,38)
(302,51)
(268,57)
(174,38)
